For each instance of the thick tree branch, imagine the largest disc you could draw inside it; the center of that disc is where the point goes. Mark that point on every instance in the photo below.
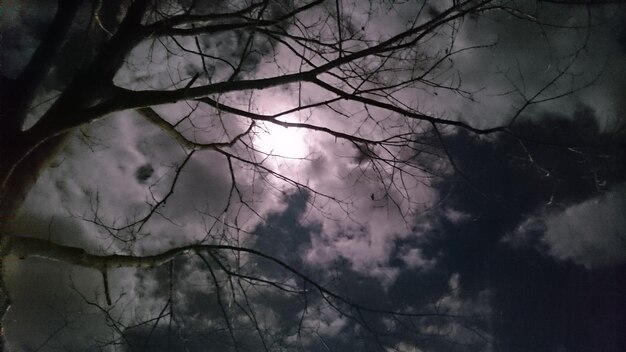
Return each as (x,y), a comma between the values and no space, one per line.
(123,99)
(26,247)
(167,27)
(153,117)
(405,112)
(189,19)
(273,119)
(35,72)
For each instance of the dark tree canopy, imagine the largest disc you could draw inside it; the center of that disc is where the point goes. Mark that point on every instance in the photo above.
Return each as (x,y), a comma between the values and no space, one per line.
(286,175)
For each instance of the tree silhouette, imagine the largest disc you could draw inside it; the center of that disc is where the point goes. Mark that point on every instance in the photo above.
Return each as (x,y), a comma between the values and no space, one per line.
(219,78)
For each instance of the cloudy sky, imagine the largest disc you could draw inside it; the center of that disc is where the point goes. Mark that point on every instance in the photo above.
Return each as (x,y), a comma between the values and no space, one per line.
(511,244)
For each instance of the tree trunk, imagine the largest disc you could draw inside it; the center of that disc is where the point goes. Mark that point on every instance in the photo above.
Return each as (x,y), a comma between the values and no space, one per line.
(20,167)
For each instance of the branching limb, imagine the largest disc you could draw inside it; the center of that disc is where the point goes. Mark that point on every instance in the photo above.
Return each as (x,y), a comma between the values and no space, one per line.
(153,117)
(26,247)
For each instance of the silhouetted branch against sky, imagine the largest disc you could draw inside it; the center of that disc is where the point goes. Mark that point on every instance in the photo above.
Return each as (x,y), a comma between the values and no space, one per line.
(312,175)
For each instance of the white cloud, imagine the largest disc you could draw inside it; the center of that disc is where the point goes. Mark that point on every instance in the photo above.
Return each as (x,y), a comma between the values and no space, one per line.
(414,258)
(591,233)
(454,303)
(454,215)
(404,347)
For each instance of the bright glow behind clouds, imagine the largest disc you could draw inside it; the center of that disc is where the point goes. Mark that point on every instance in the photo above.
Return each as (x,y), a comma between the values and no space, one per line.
(281,141)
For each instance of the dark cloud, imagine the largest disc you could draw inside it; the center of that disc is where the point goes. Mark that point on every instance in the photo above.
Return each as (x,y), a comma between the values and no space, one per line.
(144,172)
(541,303)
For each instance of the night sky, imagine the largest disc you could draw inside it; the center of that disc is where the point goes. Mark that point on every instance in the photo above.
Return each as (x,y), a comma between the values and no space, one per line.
(518,239)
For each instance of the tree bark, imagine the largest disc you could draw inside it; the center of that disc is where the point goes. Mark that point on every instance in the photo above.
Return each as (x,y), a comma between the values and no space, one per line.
(20,170)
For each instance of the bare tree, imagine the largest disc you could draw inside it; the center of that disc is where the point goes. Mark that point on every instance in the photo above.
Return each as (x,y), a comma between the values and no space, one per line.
(220,77)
